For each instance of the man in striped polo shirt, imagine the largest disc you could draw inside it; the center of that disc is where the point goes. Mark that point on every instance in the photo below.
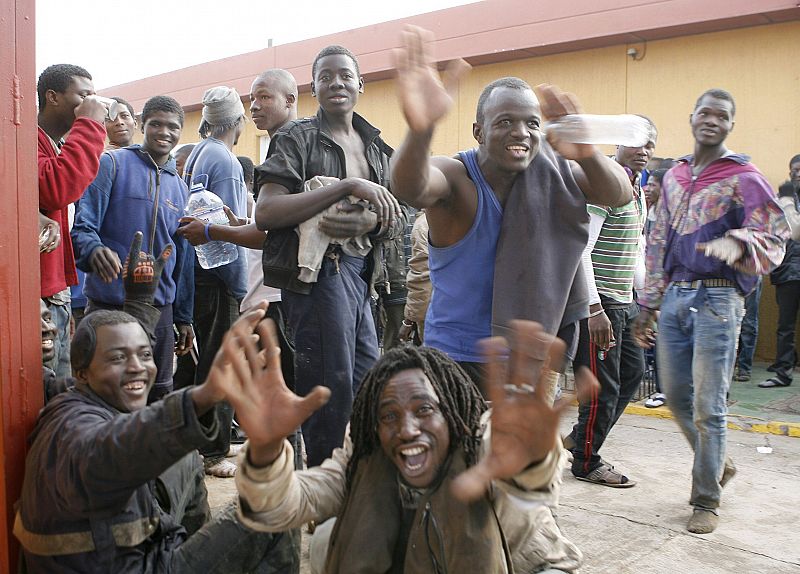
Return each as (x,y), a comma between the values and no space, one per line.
(606,344)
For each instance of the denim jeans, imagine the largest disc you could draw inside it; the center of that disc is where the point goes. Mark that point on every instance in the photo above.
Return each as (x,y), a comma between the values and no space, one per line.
(61,362)
(749,335)
(335,345)
(697,334)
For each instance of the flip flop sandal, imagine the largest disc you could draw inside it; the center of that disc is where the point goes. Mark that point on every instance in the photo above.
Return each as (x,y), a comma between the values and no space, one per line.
(773,383)
(606,475)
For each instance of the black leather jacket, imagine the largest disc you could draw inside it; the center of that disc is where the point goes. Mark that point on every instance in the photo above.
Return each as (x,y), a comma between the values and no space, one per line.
(299,151)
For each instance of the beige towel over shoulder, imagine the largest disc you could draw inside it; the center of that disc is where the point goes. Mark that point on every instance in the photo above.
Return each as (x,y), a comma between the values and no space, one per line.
(314,243)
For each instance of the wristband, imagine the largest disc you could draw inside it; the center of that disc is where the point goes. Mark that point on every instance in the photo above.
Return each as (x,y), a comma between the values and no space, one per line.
(205,228)
(407,324)
(596,313)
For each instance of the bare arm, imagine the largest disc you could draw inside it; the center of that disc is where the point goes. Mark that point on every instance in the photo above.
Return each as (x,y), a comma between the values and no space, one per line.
(425,100)
(277,208)
(193,230)
(415,177)
(602,180)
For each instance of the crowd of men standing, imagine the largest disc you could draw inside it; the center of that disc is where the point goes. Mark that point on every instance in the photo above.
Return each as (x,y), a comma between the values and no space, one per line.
(524,228)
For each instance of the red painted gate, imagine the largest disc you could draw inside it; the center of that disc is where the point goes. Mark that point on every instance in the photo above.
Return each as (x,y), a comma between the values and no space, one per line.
(20,349)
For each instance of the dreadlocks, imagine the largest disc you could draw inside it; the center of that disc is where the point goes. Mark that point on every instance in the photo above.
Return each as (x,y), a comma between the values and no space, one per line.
(460,401)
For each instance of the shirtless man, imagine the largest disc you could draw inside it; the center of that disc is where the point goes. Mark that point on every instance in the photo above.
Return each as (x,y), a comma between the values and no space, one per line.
(335,340)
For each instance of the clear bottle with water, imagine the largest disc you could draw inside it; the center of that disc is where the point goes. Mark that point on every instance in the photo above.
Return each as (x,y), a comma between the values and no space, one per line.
(207,207)
(624,129)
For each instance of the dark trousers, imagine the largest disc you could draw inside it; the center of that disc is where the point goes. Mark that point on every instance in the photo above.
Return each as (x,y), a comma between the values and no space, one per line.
(222,545)
(788,297)
(163,350)
(749,333)
(215,311)
(335,345)
(619,371)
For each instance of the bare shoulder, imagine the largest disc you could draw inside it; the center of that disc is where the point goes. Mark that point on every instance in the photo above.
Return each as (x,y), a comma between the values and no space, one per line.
(455,172)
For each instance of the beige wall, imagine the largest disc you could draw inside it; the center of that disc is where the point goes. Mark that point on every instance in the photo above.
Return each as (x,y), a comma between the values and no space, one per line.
(759,66)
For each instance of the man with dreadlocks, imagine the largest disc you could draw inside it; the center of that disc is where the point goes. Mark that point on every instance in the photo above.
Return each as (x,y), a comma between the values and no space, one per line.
(423,482)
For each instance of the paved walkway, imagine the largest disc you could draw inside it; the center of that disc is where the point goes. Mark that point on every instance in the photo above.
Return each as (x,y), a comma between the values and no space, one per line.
(642,529)
(773,411)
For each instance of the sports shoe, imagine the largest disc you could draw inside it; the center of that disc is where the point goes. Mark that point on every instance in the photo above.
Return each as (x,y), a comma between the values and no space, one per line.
(741,377)
(656,400)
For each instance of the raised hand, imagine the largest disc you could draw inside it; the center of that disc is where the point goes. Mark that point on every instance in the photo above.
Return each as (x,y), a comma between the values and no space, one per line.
(556,104)
(93,108)
(141,273)
(424,98)
(524,423)
(253,384)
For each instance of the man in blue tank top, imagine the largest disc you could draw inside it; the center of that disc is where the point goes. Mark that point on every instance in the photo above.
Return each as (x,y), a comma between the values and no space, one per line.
(465,196)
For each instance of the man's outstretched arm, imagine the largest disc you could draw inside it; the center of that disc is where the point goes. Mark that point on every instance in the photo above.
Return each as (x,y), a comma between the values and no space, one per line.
(602,180)
(417,178)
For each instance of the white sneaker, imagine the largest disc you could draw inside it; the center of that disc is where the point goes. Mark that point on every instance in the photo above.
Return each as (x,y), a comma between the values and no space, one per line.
(655,401)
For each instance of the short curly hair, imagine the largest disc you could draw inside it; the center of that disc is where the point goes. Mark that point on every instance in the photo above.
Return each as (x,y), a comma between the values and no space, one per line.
(57,77)
(161,104)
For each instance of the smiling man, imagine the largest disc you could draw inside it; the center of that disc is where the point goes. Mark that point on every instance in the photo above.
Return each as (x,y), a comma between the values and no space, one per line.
(331,319)
(718,226)
(507,220)
(112,485)
(137,189)
(120,129)
(612,256)
(428,480)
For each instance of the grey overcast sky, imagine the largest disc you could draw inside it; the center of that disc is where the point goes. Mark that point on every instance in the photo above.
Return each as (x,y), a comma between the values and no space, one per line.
(121,41)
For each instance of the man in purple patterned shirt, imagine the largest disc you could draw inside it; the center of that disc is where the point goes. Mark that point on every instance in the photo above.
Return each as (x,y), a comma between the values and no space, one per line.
(717,228)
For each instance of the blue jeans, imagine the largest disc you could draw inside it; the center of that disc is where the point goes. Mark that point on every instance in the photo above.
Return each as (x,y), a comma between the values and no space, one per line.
(61,362)
(698,328)
(749,335)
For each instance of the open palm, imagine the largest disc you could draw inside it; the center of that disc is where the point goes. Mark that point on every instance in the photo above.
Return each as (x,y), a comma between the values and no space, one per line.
(524,424)
(424,98)
(252,382)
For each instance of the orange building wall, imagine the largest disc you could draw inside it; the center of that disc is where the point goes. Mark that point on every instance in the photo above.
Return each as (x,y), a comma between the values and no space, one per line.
(758,65)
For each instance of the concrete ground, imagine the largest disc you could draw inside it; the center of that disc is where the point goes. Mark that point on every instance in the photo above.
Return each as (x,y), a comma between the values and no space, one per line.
(642,529)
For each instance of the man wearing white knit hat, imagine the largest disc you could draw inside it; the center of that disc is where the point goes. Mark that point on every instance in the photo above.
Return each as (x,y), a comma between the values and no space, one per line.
(218,291)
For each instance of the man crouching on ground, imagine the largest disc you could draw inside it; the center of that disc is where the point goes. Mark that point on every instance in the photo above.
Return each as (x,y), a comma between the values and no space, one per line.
(114,485)
(419,447)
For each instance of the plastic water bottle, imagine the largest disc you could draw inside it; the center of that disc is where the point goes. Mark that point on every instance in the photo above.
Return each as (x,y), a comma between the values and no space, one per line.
(625,129)
(207,207)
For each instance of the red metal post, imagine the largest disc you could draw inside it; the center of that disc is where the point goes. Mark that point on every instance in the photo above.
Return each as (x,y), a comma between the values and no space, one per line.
(20,348)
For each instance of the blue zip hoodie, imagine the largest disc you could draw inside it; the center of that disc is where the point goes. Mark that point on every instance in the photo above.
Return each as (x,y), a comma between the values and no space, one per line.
(134,181)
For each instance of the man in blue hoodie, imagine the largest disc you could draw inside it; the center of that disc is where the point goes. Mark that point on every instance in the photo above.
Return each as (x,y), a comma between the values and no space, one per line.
(137,188)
